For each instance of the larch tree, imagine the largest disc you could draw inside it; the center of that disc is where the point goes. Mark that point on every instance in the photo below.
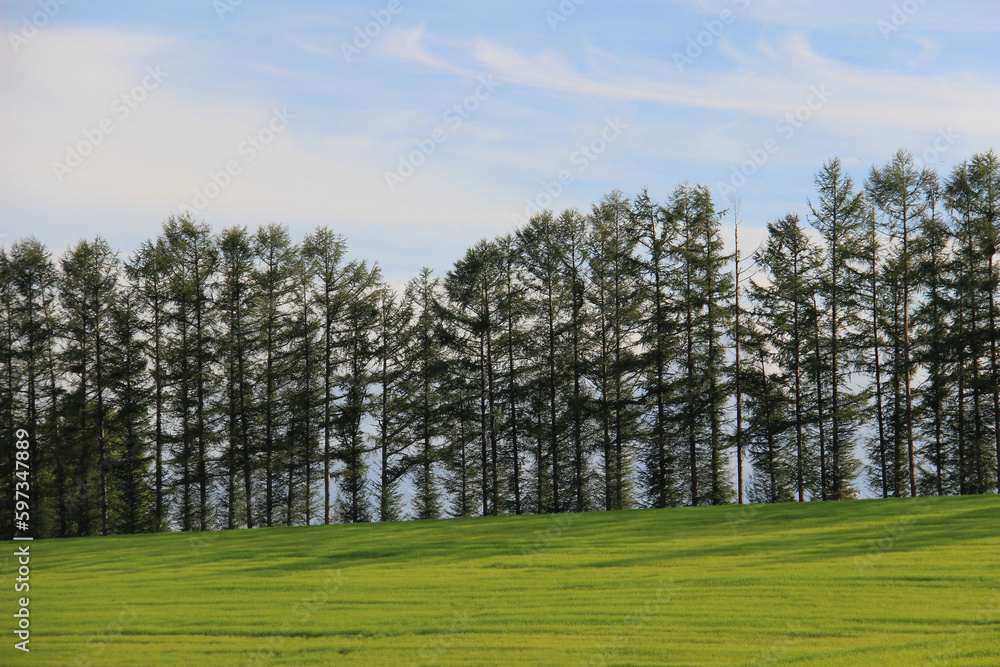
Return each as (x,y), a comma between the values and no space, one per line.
(472,287)
(88,290)
(541,254)
(898,190)
(327,251)
(703,286)
(783,298)
(586,361)
(771,438)
(128,383)
(658,331)
(616,298)
(512,312)
(357,345)
(275,260)
(237,314)
(969,337)
(985,181)
(194,256)
(934,270)
(423,374)
(148,271)
(301,395)
(839,217)
(874,355)
(392,418)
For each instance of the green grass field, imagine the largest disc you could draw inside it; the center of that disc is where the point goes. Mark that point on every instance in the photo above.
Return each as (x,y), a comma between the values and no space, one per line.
(906,582)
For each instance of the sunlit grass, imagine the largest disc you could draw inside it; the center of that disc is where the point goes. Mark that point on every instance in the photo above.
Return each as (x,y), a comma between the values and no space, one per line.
(906,582)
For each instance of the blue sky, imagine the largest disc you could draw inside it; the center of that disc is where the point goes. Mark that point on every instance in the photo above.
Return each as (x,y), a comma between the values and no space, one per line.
(624,95)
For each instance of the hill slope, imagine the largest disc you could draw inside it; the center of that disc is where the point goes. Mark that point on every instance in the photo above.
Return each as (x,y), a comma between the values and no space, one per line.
(855,583)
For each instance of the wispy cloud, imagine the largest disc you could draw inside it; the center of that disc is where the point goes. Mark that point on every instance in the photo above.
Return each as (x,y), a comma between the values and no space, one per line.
(353,119)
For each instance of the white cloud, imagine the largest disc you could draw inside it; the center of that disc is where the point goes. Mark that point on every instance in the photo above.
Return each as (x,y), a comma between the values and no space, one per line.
(865,99)
(353,120)
(167,147)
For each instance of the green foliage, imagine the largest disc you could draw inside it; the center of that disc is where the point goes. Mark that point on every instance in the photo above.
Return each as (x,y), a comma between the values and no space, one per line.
(614,293)
(702,287)
(585,361)
(420,410)
(839,217)
(785,308)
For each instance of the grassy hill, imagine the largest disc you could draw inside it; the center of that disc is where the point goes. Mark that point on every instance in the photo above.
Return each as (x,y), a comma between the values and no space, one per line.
(906,582)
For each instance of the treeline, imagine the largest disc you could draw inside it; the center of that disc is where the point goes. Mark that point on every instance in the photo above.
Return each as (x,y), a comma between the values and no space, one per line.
(590,361)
